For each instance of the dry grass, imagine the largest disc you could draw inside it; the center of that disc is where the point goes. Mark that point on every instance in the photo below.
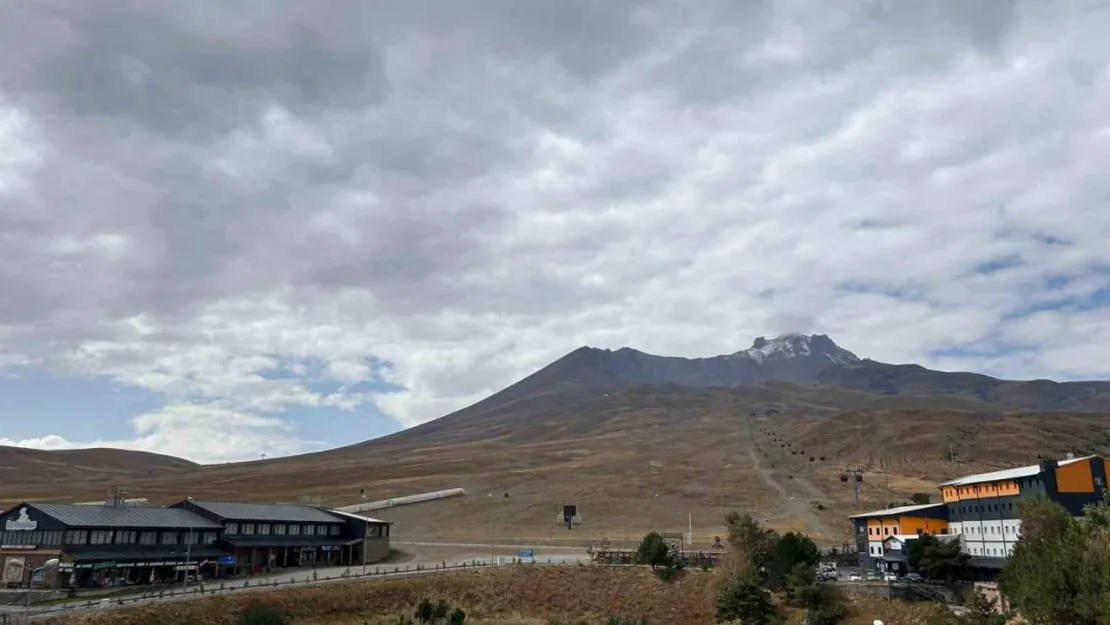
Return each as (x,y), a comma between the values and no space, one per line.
(633,460)
(517,595)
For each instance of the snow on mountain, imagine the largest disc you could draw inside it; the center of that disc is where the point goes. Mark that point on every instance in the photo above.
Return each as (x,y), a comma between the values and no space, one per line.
(797,345)
(793,358)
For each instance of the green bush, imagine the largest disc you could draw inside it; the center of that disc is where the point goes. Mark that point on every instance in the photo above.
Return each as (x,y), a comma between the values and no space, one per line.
(744,601)
(425,611)
(458,617)
(263,614)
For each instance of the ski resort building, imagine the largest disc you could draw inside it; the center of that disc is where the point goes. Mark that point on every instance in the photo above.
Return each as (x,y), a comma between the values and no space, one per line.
(114,544)
(982,511)
(881,535)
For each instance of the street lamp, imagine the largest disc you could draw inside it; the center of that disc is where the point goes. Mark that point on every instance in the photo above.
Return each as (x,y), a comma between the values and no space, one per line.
(49,564)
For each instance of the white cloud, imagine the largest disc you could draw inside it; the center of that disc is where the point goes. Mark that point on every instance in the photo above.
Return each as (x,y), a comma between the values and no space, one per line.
(469,203)
(202,433)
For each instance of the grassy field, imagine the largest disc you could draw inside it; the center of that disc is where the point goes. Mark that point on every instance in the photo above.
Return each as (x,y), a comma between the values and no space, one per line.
(519,595)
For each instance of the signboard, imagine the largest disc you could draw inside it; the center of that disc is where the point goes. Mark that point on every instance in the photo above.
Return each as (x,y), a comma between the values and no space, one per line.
(17,546)
(13,570)
(99,566)
(21,524)
(525,553)
(227,560)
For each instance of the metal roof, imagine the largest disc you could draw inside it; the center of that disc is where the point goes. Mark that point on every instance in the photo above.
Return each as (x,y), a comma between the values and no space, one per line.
(1007,474)
(274,513)
(358,517)
(128,517)
(896,511)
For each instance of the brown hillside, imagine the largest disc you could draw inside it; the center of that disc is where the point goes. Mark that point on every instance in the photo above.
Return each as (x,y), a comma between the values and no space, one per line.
(641,458)
(22,469)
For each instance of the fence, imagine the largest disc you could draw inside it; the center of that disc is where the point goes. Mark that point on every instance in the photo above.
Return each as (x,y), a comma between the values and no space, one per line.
(200,590)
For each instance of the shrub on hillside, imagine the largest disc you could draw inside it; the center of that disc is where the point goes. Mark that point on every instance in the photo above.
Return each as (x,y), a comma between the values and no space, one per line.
(263,614)
(744,601)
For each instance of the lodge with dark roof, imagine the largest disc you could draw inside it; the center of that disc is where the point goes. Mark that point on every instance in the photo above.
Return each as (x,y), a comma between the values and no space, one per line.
(115,544)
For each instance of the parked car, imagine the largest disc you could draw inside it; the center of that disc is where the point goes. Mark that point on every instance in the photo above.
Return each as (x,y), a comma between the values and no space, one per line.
(890,577)
(914,577)
(872,576)
(854,577)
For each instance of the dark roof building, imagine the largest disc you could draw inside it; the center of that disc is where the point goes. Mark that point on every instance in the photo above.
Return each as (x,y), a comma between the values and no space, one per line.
(264,537)
(118,544)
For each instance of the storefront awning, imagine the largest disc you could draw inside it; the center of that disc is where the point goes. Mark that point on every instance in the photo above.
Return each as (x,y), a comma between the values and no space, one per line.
(153,553)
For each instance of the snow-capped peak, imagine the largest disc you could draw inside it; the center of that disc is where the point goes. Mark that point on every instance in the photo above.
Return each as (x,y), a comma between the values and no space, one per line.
(797,345)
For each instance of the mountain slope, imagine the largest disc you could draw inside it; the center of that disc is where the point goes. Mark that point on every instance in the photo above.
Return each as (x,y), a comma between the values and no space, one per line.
(22,468)
(1034,395)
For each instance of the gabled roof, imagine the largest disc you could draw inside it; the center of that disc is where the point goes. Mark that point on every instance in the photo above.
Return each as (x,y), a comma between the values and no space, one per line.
(1007,474)
(358,517)
(128,517)
(271,513)
(897,511)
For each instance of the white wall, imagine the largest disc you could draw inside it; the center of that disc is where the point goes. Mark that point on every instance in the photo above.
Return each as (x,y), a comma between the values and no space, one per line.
(988,538)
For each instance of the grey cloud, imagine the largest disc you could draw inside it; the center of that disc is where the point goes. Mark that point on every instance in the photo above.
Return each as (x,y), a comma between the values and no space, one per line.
(413,180)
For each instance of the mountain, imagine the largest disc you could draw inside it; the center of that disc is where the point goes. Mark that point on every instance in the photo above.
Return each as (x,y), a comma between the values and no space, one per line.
(802,360)
(643,442)
(790,358)
(34,468)
(1033,395)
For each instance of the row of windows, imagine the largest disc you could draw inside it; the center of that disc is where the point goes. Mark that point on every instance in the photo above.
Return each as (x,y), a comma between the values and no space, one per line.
(281,529)
(128,537)
(992,552)
(36,537)
(993,507)
(992,529)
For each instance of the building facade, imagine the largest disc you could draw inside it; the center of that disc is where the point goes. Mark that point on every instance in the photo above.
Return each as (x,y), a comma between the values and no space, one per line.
(985,509)
(117,545)
(261,538)
(881,536)
(129,545)
(982,511)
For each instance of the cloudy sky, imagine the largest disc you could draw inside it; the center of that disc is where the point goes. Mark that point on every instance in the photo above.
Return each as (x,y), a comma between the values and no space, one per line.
(239,228)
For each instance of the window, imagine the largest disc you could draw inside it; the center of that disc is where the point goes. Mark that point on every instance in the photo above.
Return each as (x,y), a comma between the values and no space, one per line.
(77,537)
(210,538)
(51,537)
(294,530)
(279,529)
(385,531)
(100,537)
(148,538)
(334,530)
(264,529)
(191,538)
(248,529)
(232,528)
(309,530)
(125,537)
(169,538)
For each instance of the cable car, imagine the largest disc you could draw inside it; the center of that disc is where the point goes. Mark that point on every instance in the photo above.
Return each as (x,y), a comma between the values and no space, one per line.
(844,478)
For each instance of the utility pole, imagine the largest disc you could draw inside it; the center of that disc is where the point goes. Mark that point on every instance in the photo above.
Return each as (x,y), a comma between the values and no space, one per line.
(189,537)
(854,473)
(884,461)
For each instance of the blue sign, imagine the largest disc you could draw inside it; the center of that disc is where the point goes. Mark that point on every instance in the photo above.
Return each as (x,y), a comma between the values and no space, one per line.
(227,560)
(525,553)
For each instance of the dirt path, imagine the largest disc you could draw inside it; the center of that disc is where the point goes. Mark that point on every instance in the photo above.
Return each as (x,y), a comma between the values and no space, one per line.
(795,505)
